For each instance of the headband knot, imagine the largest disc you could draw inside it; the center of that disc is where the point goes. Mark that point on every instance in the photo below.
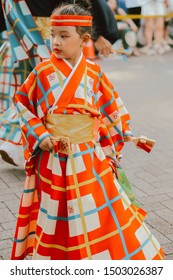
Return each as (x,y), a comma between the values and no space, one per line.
(70,20)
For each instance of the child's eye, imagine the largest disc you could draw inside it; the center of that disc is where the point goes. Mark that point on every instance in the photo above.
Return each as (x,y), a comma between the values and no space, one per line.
(64,36)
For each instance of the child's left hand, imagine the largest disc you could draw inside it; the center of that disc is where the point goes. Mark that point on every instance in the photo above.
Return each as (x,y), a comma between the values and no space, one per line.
(128,138)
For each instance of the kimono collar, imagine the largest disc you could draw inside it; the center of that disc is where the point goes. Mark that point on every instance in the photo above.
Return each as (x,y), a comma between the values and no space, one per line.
(73,78)
(70,20)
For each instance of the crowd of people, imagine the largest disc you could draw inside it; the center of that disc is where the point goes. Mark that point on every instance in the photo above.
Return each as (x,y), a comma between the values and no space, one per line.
(151,33)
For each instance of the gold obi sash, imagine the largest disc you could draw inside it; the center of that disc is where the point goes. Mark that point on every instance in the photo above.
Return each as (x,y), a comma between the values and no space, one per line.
(67,129)
(43,25)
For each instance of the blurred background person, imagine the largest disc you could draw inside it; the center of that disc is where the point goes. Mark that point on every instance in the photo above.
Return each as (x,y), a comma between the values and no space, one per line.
(134,7)
(105,27)
(154,27)
(127,29)
(169,24)
(122,4)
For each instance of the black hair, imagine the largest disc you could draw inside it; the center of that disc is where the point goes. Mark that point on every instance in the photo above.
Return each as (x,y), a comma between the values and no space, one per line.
(76,7)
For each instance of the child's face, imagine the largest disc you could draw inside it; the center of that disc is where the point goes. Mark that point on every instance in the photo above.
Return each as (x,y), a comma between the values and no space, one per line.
(66,43)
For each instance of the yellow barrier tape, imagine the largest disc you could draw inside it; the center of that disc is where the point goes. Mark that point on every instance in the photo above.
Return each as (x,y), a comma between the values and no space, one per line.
(120,17)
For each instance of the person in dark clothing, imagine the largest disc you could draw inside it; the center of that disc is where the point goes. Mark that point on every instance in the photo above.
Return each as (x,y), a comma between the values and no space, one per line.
(127,29)
(105,26)
(135,11)
(134,8)
(2,21)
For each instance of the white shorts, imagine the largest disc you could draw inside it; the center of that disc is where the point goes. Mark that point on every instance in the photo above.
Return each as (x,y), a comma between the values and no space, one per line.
(170,7)
(154,7)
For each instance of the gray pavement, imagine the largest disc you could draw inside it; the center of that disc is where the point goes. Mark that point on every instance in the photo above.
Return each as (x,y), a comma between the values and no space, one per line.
(146,86)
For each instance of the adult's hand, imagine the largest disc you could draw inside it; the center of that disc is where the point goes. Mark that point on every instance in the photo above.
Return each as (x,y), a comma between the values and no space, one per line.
(103,46)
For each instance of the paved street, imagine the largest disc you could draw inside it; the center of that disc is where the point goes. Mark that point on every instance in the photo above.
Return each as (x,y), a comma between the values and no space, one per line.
(146,86)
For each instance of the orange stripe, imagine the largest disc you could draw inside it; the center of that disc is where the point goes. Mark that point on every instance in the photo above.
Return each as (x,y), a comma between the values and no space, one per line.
(61,65)
(71,20)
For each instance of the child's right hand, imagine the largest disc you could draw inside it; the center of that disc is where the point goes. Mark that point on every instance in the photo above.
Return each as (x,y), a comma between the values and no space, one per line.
(128,138)
(46,144)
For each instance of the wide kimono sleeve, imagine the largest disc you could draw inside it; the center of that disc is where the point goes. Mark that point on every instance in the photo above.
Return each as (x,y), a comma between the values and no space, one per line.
(115,119)
(32,127)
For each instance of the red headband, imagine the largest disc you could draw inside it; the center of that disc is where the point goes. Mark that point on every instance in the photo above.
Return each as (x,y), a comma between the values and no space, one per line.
(70,20)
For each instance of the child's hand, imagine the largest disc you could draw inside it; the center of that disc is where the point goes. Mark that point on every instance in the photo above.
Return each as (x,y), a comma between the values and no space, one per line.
(128,138)
(46,144)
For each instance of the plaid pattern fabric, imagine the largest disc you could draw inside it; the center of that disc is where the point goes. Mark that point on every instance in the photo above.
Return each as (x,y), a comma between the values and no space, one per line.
(72,206)
(12,74)
(34,132)
(23,32)
(27,49)
(9,126)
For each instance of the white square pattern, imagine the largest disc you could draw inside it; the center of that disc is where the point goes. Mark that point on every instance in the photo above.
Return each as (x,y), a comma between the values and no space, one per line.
(91,220)
(28,196)
(54,165)
(149,249)
(78,161)
(47,216)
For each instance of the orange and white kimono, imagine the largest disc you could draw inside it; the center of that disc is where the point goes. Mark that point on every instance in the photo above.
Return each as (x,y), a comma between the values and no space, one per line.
(72,206)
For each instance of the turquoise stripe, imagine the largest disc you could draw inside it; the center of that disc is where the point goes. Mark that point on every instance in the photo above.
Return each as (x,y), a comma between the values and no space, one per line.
(102,207)
(28,191)
(44,98)
(31,129)
(31,103)
(45,93)
(96,98)
(53,87)
(89,151)
(117,142)
(73,217)
(23,239)
(100,74)
(55,218)
(108,117)
(75,155)
(38,142)
(63,159)
(106,105)
(21,93)
(105,137)
(139,249)
(110,208)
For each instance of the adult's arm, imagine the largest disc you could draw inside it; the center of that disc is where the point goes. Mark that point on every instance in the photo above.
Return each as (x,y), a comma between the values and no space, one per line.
(104,21)
(42,8)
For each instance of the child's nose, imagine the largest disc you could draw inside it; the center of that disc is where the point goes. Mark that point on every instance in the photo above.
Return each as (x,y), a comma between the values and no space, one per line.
(56,41)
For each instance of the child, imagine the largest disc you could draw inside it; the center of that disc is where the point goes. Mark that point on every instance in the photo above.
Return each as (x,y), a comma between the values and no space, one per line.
(72,206)
(29,19)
